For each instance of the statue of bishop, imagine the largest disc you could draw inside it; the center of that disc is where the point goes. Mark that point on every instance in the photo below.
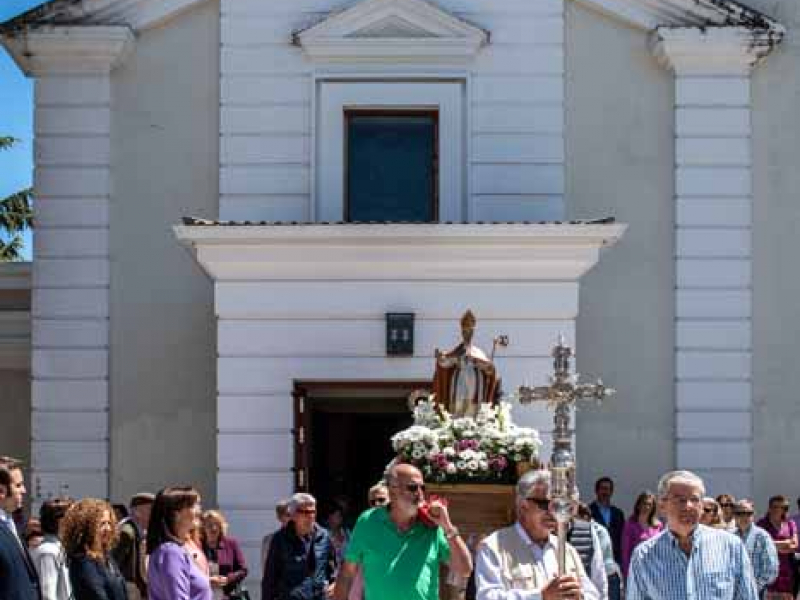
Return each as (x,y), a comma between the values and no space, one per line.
(465,377)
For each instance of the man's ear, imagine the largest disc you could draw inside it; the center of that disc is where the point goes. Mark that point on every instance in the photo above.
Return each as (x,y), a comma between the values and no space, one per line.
(3,491)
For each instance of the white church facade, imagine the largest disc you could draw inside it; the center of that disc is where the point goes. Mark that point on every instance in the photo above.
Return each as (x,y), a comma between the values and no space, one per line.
(231,196)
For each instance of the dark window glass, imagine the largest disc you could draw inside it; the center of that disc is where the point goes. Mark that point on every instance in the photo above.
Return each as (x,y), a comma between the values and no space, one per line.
(391,167)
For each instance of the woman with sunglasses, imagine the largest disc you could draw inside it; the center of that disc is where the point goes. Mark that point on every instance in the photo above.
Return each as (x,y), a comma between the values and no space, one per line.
(784,533)
(711,516)
(640,526)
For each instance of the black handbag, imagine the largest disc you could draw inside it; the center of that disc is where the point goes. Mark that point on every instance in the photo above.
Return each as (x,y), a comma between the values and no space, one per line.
(240,592)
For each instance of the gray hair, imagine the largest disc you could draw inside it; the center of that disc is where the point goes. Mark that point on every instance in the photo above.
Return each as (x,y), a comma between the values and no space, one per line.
(686,477)
(530,479)
(378,487)
(300,499)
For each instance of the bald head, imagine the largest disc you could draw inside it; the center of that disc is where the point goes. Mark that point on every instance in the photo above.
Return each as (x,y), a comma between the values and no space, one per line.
(402,471)
(406,490)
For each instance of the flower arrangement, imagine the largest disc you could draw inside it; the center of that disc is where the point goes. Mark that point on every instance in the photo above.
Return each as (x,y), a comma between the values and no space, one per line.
(485,448)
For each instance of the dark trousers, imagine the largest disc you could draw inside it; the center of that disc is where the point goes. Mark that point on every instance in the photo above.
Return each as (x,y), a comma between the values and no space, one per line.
(614,591)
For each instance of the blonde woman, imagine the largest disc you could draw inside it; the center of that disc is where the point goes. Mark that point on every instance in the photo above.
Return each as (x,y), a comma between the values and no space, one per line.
(88,532)
(225,556)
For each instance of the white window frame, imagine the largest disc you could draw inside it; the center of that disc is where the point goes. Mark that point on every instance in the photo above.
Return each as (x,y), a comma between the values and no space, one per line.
(336,97)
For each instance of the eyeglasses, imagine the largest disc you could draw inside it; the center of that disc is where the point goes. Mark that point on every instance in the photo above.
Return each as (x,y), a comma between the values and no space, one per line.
(414,487)
(380,501)
(710,509)
(306,511)
(742,513)
(726,504)
(540,503)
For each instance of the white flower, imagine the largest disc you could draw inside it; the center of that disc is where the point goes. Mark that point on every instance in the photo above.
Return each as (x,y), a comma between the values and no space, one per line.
(460,465)
(449,451)
(417,454)
(483,465)
(472,465)
(451,469)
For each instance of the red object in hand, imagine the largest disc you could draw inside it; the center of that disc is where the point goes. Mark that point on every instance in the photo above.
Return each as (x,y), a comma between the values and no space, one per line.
(424,511)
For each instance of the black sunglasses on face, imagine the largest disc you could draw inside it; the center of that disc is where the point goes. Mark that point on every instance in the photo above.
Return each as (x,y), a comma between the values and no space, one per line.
(414,487)
(378,501)
(741,513)
(710,510)
(540,503)
(726,505)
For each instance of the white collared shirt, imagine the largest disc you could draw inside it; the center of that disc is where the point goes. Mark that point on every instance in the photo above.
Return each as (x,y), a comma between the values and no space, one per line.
(488,568)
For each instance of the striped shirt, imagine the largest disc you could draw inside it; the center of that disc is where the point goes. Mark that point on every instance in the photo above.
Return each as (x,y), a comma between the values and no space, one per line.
(718,568)
(763,555)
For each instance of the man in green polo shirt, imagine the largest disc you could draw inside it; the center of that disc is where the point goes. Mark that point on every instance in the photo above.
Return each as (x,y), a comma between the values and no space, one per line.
(398,554)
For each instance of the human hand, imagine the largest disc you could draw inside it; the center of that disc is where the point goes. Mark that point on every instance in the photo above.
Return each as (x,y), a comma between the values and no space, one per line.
(218,581)
(566,587)
(438,513)
(329,590)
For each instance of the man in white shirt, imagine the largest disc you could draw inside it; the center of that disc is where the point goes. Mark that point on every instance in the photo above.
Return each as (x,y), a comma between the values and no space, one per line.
(520,562)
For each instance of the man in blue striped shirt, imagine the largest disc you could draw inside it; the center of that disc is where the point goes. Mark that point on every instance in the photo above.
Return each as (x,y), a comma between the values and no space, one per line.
(689,561)
(759,544)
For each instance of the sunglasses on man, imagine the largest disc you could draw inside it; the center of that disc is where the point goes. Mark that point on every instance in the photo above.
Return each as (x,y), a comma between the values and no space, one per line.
(743,513)
(378,501)
(540,503)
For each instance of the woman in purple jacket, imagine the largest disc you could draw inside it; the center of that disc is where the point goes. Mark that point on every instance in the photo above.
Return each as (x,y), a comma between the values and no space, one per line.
(641,526)
(225,557)
(171,573)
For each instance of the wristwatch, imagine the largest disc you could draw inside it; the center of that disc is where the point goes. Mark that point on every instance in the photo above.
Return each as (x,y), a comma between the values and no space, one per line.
(454,532)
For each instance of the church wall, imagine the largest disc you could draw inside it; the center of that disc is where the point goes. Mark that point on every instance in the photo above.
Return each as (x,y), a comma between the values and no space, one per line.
(776,287)
(15,360)
(165,165)
(514,118)
(273,333)
(620,148)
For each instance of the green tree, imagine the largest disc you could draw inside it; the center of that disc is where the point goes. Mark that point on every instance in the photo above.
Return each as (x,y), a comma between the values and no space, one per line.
(16,215)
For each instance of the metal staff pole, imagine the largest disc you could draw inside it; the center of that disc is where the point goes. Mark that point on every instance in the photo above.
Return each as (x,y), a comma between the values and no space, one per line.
(562,395)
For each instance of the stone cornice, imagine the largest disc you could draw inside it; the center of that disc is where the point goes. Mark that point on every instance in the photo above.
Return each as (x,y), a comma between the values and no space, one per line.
(60,50)
(712,51)
(399,251)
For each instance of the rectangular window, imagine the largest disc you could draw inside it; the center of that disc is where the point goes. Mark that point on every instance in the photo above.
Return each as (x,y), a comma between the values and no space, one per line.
(391,166)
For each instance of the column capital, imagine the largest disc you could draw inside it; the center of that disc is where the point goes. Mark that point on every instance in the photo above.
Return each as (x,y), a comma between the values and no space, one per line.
(712,50)
(69,50)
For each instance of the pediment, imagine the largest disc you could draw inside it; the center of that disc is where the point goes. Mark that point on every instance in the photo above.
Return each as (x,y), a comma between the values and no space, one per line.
(392,30)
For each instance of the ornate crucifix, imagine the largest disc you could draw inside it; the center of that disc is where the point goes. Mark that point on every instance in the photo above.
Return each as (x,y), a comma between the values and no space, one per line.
(562,394)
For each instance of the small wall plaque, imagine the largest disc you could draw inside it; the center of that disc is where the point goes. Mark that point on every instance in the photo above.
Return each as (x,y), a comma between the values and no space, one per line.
(400,334)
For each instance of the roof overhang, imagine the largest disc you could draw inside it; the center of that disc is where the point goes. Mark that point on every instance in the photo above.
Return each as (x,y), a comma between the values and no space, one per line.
(646,14)
(652,14)
(136,14)
(516,251)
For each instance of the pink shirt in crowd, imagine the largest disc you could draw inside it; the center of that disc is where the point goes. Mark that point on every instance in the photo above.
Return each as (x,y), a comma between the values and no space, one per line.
(633,534)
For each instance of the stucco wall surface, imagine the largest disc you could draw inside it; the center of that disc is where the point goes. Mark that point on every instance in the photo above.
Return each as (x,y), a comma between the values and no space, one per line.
(620,148)
(165,164)
(776,221)
(15,424)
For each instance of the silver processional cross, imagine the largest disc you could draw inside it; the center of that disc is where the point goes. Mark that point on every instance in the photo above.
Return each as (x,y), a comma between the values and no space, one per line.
(562,394)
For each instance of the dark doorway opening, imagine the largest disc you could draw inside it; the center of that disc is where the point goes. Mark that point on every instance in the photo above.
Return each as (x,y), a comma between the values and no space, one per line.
(346,439)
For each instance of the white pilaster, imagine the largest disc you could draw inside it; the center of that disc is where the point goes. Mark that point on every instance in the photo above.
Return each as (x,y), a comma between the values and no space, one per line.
(70,302)
(713,292)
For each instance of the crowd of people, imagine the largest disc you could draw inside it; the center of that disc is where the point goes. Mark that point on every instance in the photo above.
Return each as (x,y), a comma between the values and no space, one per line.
(676,543)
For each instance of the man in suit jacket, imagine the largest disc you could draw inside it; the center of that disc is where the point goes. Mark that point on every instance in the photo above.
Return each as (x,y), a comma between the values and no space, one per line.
(18,579)
(613,519)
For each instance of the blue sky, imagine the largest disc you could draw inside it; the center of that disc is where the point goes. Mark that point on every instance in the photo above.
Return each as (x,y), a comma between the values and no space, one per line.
(16,115)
